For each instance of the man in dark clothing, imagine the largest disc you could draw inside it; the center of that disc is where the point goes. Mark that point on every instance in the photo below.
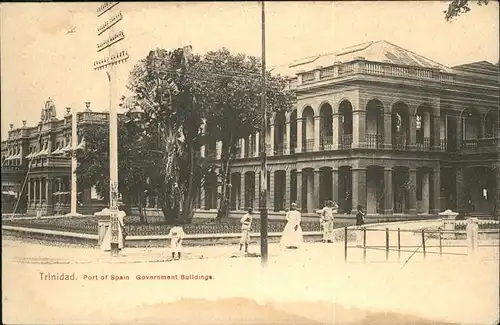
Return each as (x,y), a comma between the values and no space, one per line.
(360,216)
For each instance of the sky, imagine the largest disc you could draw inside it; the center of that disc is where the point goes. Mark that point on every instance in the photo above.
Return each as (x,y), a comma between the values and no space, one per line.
(39,59)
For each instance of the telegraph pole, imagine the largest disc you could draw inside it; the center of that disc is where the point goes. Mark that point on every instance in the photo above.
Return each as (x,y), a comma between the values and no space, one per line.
(110,63)
(263,148)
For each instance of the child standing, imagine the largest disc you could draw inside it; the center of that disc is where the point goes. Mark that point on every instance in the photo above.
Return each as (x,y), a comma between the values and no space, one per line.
(176,236)
(246,223)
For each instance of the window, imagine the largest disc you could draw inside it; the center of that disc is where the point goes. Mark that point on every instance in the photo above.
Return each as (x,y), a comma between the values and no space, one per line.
(94,195)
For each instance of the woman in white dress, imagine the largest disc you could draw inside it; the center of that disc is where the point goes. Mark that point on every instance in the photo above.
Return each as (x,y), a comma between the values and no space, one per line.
(292,234)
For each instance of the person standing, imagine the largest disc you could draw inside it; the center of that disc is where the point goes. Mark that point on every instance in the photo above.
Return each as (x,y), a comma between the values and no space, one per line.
(360,216)
(327,218)
(246,224)
(176,236)
(360,221)
(292,234)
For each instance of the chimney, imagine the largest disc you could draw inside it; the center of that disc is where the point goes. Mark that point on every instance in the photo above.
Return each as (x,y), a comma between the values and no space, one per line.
(68,111)
(24,123)
(87,104)
(11,126)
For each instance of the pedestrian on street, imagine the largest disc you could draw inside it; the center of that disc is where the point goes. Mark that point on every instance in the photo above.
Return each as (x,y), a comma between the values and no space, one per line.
(360,216)
(246,224)
(176,236)
(292,234)
(360,221)
(326,216)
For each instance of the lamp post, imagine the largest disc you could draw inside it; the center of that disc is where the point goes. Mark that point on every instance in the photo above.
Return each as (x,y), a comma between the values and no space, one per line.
(263,171)
(110,63)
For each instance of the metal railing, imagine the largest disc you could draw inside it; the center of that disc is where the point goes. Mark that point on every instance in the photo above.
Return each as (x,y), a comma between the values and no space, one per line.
(431,241)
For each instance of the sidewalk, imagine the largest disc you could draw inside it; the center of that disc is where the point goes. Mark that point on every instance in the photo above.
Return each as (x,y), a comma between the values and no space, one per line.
(41,254)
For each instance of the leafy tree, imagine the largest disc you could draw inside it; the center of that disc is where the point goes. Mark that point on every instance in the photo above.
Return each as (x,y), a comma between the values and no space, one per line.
(458,7)
(133,163)
(227,88)
(162,83)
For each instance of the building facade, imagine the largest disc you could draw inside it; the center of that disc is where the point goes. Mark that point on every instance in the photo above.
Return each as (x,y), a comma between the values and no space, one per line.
(382,127)
(36,165)
(374,125)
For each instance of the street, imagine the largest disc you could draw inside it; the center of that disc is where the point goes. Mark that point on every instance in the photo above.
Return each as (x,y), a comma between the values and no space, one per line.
(306,286)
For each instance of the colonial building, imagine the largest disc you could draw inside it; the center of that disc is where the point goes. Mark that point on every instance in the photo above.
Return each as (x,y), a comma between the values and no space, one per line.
(374,125)
(36,165)
(382,127)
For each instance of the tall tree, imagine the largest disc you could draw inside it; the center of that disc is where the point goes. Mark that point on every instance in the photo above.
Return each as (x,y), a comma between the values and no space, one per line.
(458,7)
(228,88)
(162,84)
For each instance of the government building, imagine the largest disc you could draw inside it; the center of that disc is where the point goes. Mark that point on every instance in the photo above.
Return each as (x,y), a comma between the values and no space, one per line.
(374,125)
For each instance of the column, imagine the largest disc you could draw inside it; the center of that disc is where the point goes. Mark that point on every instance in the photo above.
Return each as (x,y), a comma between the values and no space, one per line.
(435,191)
(299,190)
(316,204)
(412,141)
(271,140)
(242,192)
(29,193)
(48,195)
(271,192)
(317,133)
(242,144)
(388,194)
(299,136)
(335,185)
(412,177)
(458,122)
(426,192)
(359,129)
(40,190)
(256,199)
(288,138)
(203,197)
(286,195)
(358,189)
(336,131)
(257,145)
(388,131)
(461,193)
(436,132)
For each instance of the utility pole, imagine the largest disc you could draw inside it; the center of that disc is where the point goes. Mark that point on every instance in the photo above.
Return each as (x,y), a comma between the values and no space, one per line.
(263,148)
(110,64)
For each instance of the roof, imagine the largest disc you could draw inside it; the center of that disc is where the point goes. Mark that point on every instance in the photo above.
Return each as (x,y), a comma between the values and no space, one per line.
(378,51)
(482,67)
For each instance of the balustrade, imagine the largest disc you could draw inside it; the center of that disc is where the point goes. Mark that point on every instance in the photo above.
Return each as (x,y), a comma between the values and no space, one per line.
(308,145)
(346,141)
(326,142)
(374,141)
(424,144)
(399,142)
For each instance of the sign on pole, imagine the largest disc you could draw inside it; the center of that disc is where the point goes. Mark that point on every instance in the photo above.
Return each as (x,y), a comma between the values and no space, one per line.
(115,56)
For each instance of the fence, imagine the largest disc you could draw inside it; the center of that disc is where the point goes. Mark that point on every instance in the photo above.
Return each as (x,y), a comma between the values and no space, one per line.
(422,241)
